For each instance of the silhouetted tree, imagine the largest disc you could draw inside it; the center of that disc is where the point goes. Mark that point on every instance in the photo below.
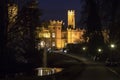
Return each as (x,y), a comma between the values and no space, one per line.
(3,35)
(21,37)
(91,20)
(98,15)
(94,27)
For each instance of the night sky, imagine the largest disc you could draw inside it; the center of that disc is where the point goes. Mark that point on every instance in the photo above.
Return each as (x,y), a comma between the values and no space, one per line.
(57,9)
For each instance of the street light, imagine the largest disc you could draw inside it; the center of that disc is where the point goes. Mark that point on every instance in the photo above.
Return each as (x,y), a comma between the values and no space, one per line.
(99,50)
(84,48)
(112,46)
(45,35)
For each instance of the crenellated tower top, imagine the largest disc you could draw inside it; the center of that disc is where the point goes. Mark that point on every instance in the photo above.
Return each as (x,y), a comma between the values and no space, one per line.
(71,18)
(71,12)
(56,22)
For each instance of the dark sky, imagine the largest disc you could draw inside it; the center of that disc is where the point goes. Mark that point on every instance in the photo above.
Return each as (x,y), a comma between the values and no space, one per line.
(57,9)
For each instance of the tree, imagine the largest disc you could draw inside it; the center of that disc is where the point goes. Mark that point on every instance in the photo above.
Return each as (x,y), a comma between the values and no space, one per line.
(101,14)
(21,36)
(94,27)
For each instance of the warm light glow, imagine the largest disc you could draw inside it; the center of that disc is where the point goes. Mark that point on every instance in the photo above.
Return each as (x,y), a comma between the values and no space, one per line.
(47,71)
(71,18)
(12,12)
(46,35)
(58,37)
(99,50)
(65,51)
(84,48)
(42,44)
(112,45)
(53,43)
(53,35)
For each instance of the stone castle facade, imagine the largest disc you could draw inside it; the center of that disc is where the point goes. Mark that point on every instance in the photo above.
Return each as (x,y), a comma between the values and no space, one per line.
(55,36)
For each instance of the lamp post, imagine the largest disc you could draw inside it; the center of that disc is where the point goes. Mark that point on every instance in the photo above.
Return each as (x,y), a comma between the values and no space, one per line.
(99,53)
(44,70)
(45,37)
(45,55)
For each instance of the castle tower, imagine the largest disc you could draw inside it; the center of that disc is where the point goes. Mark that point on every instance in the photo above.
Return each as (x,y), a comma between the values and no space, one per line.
(55,27)
(71,19)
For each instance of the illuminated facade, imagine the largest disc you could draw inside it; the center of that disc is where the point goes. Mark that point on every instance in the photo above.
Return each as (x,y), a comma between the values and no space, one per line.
(56,33)
(71,19)
(54,36)
(75,35)
(57,37)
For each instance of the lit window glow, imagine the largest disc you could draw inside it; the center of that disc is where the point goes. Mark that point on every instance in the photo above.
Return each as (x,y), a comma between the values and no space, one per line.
(53,44)
(46,35)
(53,35)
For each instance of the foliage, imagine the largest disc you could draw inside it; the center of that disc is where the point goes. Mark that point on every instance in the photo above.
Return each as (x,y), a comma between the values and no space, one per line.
(97,15)
(21,36)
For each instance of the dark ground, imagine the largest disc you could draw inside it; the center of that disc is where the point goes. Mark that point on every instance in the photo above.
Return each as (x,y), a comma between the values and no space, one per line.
(75,68)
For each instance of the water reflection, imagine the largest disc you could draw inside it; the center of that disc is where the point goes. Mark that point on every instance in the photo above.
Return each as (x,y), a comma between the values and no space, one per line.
(47,71)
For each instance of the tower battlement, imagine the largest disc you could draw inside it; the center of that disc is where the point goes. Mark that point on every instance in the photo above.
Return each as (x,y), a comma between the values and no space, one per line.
(71,18)
(71,12)
(56,22)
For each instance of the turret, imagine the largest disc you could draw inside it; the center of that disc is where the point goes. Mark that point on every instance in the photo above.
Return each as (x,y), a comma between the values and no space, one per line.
(71,19)
(55,26)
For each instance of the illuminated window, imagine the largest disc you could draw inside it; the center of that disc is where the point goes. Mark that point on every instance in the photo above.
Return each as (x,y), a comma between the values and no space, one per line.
(46,35)
(53,43)
(53,35)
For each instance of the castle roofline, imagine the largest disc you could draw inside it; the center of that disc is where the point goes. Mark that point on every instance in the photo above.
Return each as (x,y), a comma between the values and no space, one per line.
(71,10)
(52,22)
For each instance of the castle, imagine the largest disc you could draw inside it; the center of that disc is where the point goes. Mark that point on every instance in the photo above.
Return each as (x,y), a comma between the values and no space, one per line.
(55,36)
